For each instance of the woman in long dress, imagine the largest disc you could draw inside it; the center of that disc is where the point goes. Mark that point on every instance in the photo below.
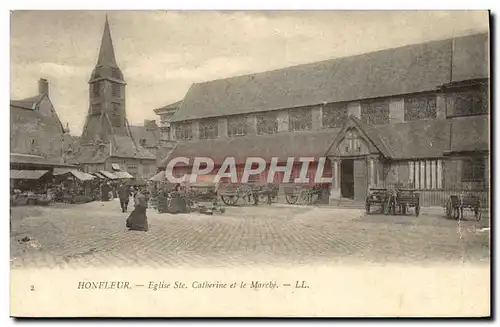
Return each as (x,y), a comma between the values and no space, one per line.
(138,219)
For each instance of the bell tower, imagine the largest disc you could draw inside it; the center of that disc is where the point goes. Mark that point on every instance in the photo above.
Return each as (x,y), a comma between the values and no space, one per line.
(106,94)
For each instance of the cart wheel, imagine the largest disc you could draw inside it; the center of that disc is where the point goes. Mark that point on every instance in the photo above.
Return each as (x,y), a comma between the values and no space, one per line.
(274,198)
(229,199)
(291,199)
(477,212)
(417,210)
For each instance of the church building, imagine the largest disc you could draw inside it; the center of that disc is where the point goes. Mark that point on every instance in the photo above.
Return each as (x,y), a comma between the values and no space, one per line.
(107,142)
(416,115)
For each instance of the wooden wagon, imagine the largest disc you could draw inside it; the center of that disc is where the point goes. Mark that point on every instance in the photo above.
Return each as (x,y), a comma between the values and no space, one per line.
(401,200)
(302,194)
(457,203)
(378,197)
(251,193)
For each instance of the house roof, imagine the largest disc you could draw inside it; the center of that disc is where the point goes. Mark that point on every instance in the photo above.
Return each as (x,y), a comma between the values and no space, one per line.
(151,136)
(27,103)
(174,105)
(403,70)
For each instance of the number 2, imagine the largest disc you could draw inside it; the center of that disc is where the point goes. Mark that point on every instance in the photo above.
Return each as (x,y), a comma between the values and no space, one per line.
(32,288)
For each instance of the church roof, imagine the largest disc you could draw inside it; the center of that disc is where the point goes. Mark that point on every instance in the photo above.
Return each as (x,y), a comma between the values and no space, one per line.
(107,52)
(422,139)
(404,70)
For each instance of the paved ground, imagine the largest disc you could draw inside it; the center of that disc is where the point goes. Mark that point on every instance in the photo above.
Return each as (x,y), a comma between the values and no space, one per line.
(94,234)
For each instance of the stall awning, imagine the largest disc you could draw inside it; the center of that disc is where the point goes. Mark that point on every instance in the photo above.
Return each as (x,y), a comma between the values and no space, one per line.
(123,175)
(159,177)
(78,174)
(115,166)
(27,174)
(99,175)
(107,174)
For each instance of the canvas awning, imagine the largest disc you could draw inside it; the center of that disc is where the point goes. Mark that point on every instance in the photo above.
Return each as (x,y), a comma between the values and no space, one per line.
(78,174)
(27,174)
(159,177)
(99,176)
(123,175)
(107,174)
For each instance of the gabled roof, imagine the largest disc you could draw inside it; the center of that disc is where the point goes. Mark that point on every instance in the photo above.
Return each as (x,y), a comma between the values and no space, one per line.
(171,106)
(28,103)
(404,70)
(369,132)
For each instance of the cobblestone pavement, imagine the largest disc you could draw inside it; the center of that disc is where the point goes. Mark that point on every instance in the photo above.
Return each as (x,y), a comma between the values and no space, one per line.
(94,234)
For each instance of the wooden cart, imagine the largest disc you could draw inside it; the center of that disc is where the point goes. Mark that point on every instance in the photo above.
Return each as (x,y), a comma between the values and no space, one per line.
(401,200)
(378,197)
(457,203)
(251,193)
(302,194)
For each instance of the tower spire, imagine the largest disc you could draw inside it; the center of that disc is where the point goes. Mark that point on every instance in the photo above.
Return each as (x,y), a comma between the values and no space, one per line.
(107,52)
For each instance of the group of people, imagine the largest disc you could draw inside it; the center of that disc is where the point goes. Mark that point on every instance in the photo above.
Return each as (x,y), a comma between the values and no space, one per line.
(137,220)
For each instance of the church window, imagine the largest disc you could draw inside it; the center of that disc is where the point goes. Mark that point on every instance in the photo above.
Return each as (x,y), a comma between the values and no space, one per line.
(236,125)
(115,89)
(375,112)
(299,119)
(209,129)
(420,107)
(96,90)
(184,131)
(267,123)
(426,174)
(334,115)
(467,102)
(115,115)
(473,169)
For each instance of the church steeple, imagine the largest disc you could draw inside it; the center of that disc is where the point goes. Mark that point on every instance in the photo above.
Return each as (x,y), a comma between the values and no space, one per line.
(107,52)
(107,115)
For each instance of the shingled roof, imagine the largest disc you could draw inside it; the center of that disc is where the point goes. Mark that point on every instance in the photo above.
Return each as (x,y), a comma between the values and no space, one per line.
(27,103)
(403,70)
(281,145)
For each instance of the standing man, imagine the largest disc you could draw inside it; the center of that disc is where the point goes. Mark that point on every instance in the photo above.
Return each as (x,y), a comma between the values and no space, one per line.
(124,194)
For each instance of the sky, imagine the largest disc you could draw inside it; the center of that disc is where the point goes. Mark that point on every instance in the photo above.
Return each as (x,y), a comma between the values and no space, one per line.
(161,54)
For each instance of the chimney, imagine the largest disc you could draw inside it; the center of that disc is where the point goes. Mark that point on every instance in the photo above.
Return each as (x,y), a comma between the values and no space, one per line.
(43,86)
